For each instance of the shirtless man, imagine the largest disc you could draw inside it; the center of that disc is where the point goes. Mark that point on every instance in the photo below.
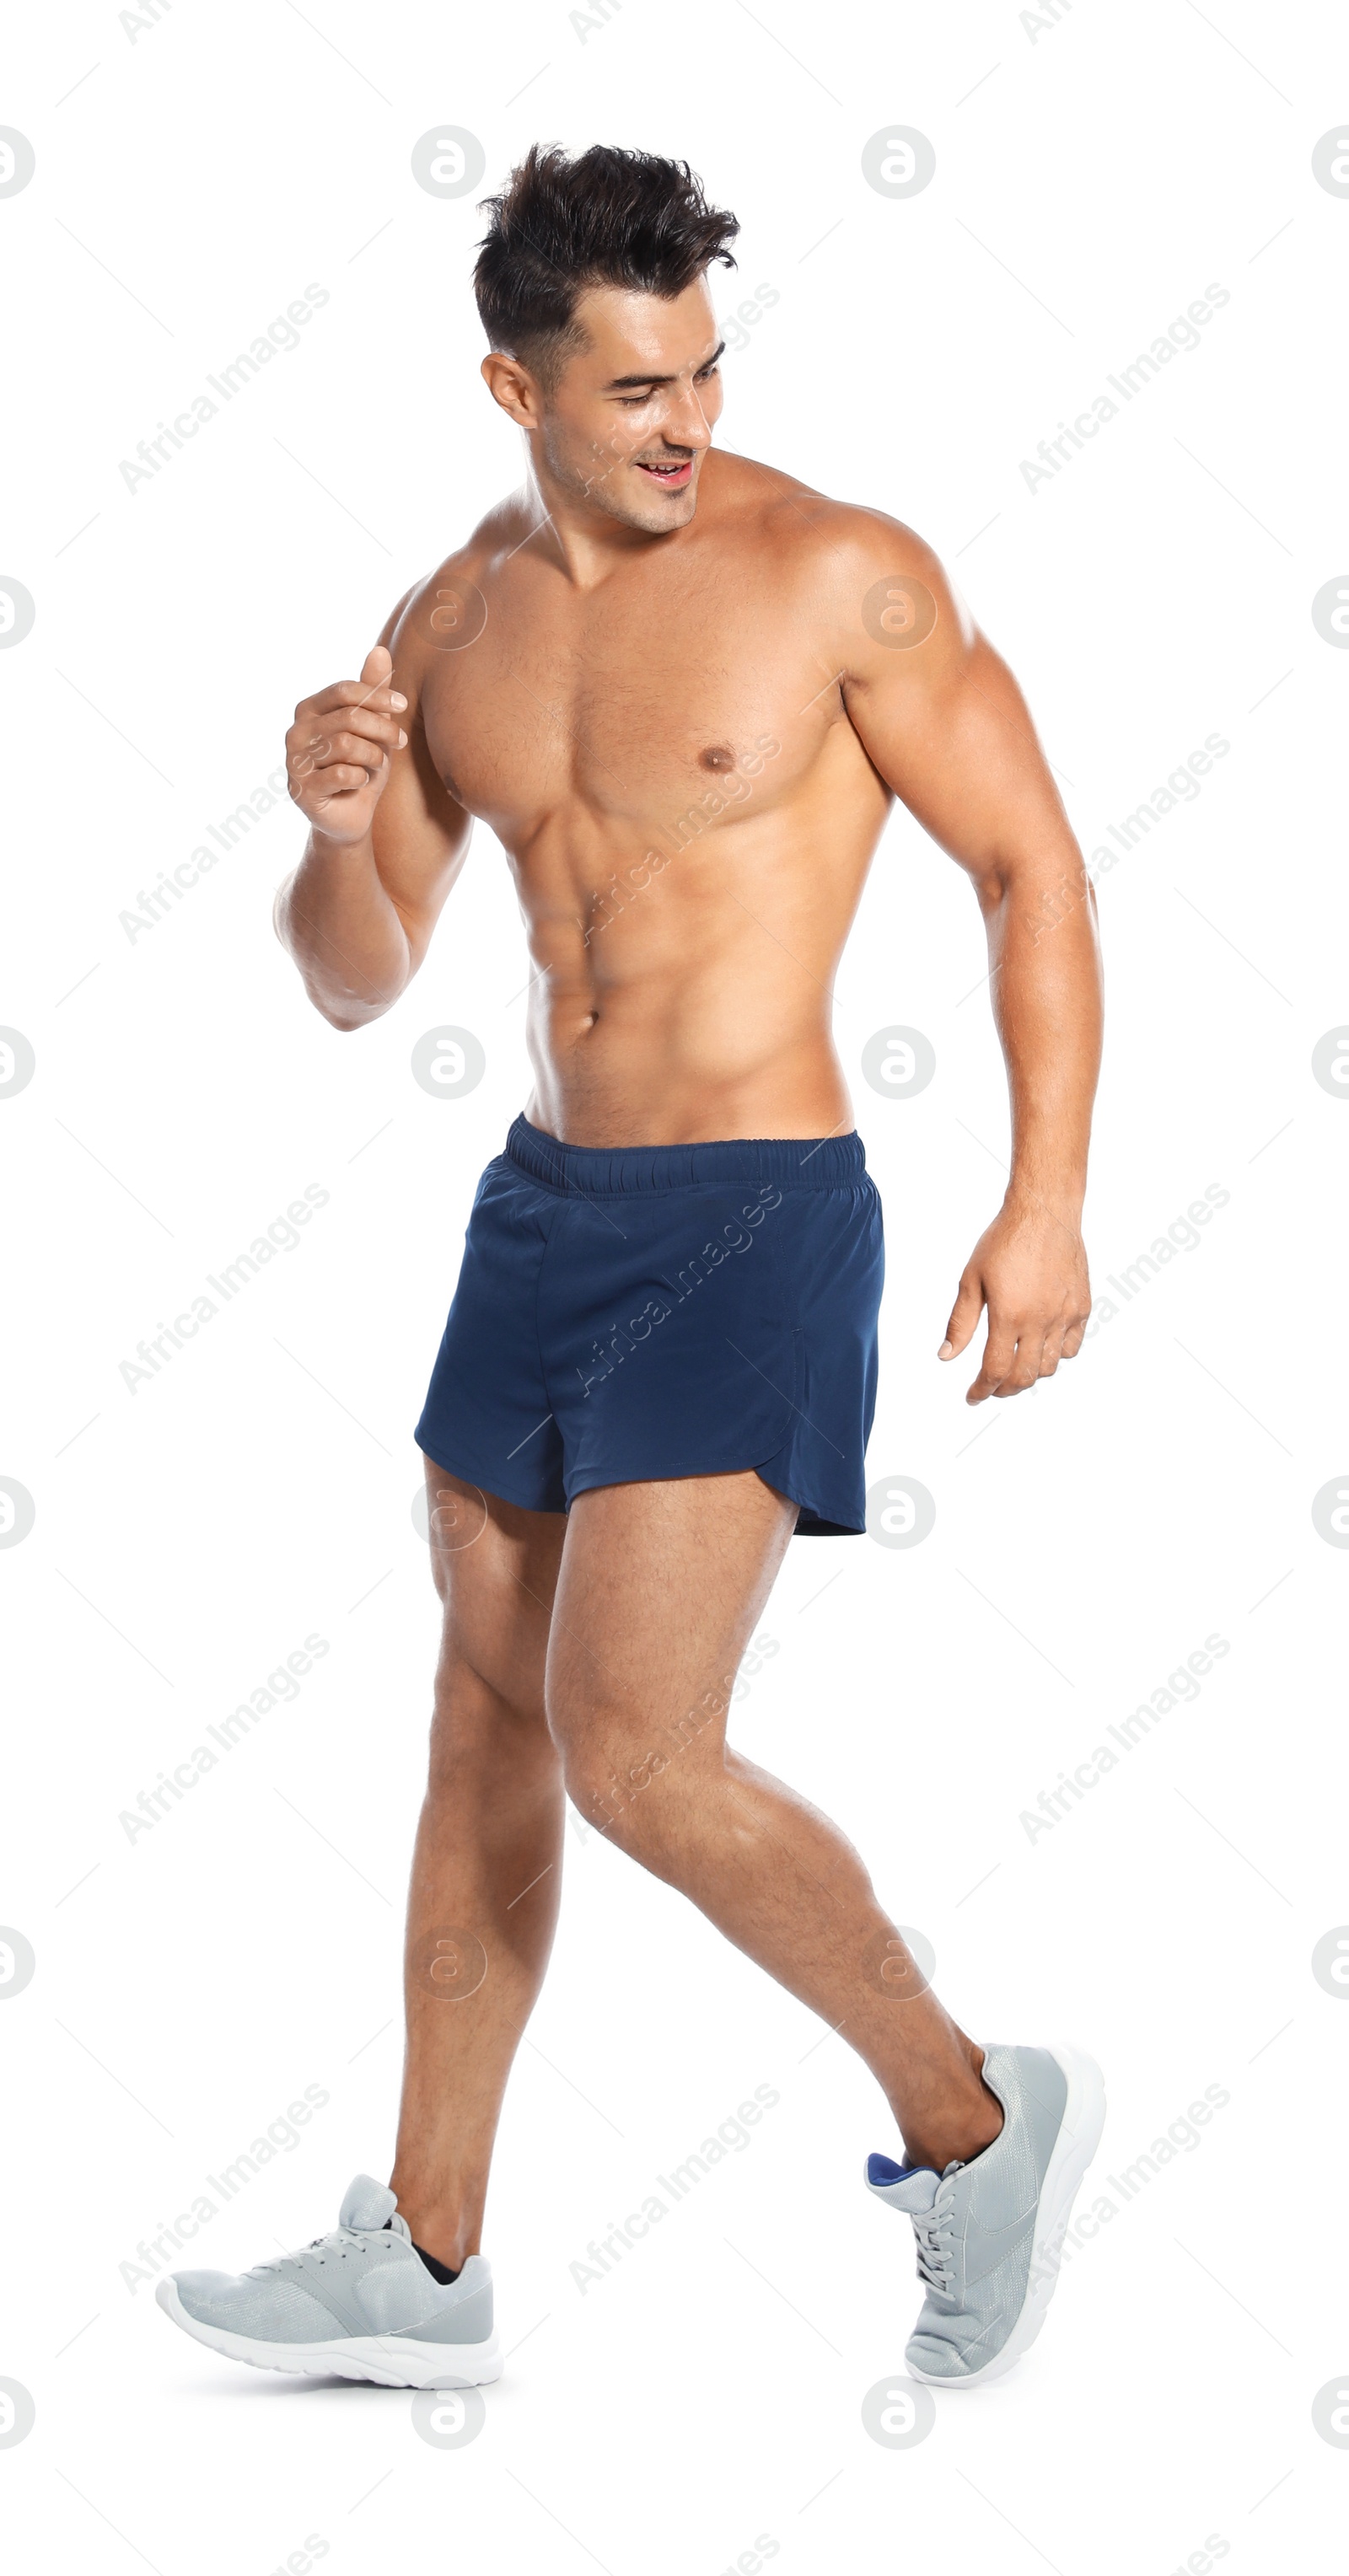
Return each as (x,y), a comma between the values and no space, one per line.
(682,690)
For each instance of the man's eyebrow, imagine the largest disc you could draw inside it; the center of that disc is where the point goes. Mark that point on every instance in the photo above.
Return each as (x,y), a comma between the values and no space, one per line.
(623,384)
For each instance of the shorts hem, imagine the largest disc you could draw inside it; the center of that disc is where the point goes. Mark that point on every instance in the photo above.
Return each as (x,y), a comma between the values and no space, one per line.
(499,1486)
(818,1524)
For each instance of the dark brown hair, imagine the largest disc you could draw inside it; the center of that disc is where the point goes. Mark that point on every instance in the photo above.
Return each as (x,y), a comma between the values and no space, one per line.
(608,218)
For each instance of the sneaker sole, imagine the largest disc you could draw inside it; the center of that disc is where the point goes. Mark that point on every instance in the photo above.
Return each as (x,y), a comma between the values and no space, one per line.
(1078,2139)
(386,2361)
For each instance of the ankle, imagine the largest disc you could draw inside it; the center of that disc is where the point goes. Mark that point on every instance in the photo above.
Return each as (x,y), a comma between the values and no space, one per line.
(447,2243)
(953,2142)
(956,2130)
(448,2234)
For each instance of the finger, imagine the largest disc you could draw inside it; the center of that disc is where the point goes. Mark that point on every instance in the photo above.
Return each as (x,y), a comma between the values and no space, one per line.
(1025,1368)
(347,744)
(329,756)
(1052,1353)
(320,768)
(353,720)
(349,693)
(376,675)
(999,1357)
(324,787)
(339,781)
(963,1318)
(1072,1339)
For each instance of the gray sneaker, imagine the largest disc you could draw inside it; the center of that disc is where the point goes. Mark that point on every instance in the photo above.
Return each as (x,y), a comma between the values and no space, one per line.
(359,2303)
(989,2232)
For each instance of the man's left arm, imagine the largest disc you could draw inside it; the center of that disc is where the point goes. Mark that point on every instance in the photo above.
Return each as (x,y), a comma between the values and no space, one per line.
(943,721)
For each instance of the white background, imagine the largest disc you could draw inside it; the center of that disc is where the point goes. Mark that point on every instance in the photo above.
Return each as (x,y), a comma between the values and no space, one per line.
(1093,176)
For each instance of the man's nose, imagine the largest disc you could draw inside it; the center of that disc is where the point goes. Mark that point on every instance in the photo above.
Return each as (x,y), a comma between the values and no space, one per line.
(685,423)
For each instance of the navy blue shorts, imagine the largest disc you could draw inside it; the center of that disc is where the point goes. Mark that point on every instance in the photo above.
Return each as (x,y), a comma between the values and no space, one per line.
(659,1311)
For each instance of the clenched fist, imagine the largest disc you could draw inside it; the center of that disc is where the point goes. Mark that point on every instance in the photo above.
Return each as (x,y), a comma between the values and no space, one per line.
(339,749)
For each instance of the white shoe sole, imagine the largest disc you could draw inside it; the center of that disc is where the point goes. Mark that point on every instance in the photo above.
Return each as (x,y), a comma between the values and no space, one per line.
(388,2361)
(1078,2139)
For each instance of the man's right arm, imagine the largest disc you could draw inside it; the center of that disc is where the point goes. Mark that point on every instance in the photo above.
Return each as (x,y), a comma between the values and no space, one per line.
(386,840)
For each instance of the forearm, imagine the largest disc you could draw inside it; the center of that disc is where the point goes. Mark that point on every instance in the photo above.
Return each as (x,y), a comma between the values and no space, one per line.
(342,929)
(1045,981)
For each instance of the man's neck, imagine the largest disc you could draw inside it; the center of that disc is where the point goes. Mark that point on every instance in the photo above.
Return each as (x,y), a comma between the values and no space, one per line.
(586,542)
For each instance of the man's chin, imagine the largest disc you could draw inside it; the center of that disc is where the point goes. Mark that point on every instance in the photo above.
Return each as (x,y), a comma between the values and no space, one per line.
(674,513)
(644,504)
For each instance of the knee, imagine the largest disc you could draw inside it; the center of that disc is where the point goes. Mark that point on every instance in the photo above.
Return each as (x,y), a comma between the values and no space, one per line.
(624,1775)
(610,1787)
(594,1746)
(487,1731)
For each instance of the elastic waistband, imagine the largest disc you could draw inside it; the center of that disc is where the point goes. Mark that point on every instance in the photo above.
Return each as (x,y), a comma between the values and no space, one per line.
(827,1163)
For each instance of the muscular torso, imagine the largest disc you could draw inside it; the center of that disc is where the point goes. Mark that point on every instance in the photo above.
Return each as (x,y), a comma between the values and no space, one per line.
(668,762)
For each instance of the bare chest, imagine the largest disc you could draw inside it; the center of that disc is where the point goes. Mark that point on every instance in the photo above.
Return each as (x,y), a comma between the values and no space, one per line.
(626,703)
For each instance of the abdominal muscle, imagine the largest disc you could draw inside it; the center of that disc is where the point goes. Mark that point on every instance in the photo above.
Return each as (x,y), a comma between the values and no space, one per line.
(644,1073)
(700,1007)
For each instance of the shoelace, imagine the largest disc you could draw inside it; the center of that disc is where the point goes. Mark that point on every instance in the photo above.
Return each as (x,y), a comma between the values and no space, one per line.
(339,2239)
(932,2234)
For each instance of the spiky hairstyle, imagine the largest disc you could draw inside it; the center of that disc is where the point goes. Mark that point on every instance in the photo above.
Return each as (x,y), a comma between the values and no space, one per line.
(608,218)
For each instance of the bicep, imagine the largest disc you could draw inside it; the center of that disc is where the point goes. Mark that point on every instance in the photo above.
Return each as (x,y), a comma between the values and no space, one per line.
(944,723)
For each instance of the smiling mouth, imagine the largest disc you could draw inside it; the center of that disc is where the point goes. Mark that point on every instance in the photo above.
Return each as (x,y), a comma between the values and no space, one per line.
(672,477)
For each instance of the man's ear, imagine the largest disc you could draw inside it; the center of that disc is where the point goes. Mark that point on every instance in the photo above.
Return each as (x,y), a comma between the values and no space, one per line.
(513,387)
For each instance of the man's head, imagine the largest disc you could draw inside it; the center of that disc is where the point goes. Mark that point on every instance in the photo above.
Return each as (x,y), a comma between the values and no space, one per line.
(592,286)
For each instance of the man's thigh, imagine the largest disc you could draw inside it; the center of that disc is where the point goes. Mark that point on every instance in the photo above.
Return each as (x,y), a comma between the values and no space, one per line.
(495,1568)
(660,1589)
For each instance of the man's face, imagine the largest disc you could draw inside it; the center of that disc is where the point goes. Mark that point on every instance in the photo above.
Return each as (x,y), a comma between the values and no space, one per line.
(628,424)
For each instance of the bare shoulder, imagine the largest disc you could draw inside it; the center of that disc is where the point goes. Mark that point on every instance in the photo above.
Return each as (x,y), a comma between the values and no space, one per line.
(864,544)
(447,604)
(813,529)
(864,574)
